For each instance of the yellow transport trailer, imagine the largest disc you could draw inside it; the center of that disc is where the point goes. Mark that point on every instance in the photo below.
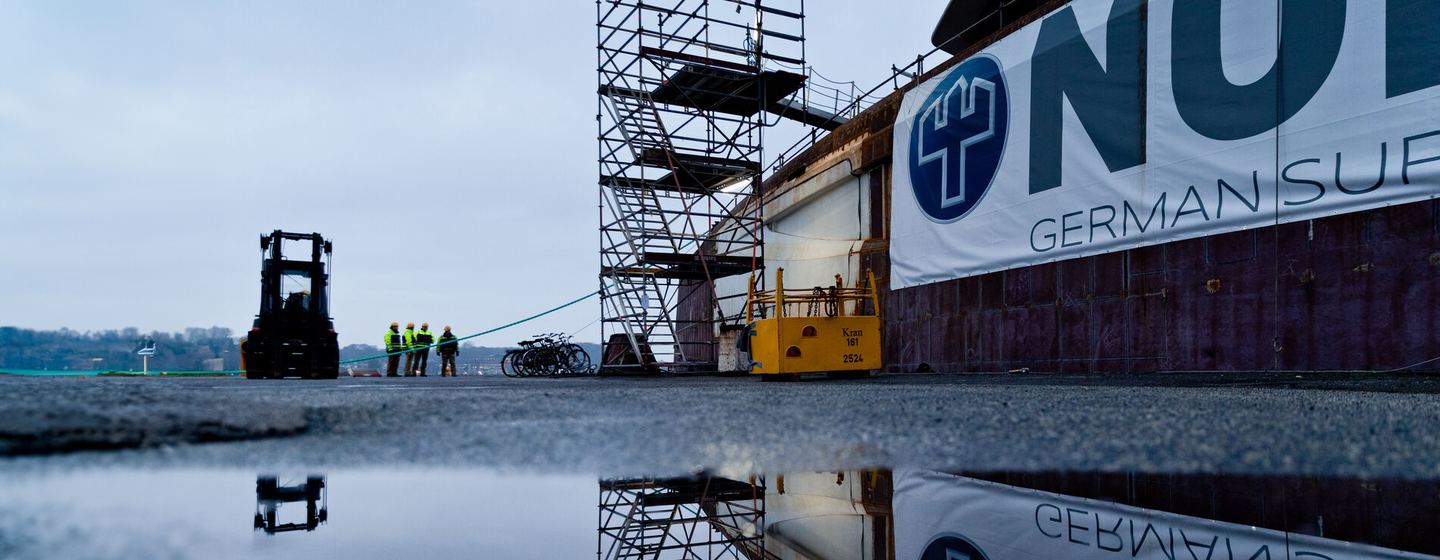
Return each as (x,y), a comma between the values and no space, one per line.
(826,329)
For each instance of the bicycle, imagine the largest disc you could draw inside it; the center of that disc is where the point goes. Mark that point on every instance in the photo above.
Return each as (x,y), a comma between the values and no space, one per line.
(546,355)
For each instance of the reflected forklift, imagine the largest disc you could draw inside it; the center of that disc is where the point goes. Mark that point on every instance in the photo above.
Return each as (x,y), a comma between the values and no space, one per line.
(293,335)
(270,495)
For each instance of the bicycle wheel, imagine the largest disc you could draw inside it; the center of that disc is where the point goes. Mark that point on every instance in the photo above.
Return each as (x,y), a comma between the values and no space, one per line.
(577,360)
(508,365)
(549,361)
(527,362)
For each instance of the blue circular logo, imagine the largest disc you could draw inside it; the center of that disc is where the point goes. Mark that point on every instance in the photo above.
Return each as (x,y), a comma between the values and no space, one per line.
(952,547)
(958,139)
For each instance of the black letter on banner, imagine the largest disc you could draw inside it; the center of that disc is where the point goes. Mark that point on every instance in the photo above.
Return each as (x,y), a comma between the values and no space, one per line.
(1222,186)
(1100,533)
(1049,236)
(1136,545)
(1405,167)
(1339,184)
(1055,519)
(1182,212)
(1412,37)
(1130,213)
(1109,100)
(1190,545)
(1073,526)
(1065,229)
(1094,224)
(1285,175)
(1310,35)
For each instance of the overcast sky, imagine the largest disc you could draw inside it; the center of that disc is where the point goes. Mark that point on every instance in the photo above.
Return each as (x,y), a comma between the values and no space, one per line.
(446,146)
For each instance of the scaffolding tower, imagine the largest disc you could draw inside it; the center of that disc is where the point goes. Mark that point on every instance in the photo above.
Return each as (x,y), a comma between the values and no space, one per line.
(685,91)
(702,517)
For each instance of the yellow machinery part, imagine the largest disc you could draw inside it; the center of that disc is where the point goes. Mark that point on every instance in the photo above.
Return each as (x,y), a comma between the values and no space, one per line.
(784,344)
(791,345)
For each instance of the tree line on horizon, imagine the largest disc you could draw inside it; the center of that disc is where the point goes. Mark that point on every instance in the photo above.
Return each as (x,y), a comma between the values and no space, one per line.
(194,349)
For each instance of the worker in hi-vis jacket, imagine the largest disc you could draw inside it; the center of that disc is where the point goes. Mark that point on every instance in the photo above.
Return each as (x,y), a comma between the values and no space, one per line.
(449,348)
(409,349)
(423,340)
(394,343)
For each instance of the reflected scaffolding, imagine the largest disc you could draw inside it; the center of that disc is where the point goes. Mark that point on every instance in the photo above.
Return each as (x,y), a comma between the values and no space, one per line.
(687,517)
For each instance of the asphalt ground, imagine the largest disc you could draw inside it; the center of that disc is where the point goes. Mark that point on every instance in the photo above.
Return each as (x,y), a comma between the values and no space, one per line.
(1366,425)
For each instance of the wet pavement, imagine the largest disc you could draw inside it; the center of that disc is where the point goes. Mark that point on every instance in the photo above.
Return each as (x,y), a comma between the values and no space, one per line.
(1339,425)
(1160,466)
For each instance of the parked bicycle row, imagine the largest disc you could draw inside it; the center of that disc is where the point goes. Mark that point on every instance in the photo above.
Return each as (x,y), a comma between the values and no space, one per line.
(545,355)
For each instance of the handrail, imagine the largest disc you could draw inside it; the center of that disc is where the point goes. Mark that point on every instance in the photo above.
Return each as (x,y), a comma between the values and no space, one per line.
(807,141)
(854,107)
(780,300)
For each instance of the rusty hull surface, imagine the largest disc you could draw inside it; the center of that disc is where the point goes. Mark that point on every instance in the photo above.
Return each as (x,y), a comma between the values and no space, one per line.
(1349,292)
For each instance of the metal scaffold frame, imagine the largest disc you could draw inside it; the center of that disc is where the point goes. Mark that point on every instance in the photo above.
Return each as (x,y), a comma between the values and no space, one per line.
(702,517)
(684,90)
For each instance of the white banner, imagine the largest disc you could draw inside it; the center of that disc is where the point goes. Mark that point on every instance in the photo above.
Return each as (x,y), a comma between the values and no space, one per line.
(945,517)
(1056,142)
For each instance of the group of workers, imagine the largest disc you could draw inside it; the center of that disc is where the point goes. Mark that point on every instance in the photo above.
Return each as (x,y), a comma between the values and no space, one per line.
(415,347)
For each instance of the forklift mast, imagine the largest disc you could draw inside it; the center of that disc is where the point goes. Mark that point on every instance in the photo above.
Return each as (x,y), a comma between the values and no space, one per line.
(275,270)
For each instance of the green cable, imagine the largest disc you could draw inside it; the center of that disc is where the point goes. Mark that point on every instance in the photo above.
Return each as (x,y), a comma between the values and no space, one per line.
(499,328)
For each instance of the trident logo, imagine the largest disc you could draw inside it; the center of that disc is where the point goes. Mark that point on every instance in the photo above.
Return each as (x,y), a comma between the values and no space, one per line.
(957,141)
(969,128)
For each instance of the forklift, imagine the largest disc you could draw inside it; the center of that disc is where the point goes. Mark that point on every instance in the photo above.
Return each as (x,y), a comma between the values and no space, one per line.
(293,335)
(270,495)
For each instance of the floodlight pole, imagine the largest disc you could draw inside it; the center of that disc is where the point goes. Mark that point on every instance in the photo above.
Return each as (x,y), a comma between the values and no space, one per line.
(146,350)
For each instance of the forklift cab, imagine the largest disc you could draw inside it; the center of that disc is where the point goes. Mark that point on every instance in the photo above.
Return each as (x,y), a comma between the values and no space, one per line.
(293,334)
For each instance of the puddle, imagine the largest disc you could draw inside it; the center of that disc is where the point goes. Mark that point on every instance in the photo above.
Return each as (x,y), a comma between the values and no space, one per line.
(861,515)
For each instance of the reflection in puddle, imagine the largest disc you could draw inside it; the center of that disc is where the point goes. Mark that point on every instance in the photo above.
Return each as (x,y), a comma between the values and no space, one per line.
(371,513)
(1066,515)
(697,517)
(850,515)
(832,515)
(928,515)
(270,495)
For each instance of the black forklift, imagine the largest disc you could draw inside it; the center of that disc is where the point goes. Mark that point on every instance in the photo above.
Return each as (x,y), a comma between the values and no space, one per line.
(270,495)
(293,335)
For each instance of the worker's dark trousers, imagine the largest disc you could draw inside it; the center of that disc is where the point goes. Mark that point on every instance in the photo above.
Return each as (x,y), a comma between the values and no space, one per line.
(447,364)
(422,360)
(410,364)
(392,365)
